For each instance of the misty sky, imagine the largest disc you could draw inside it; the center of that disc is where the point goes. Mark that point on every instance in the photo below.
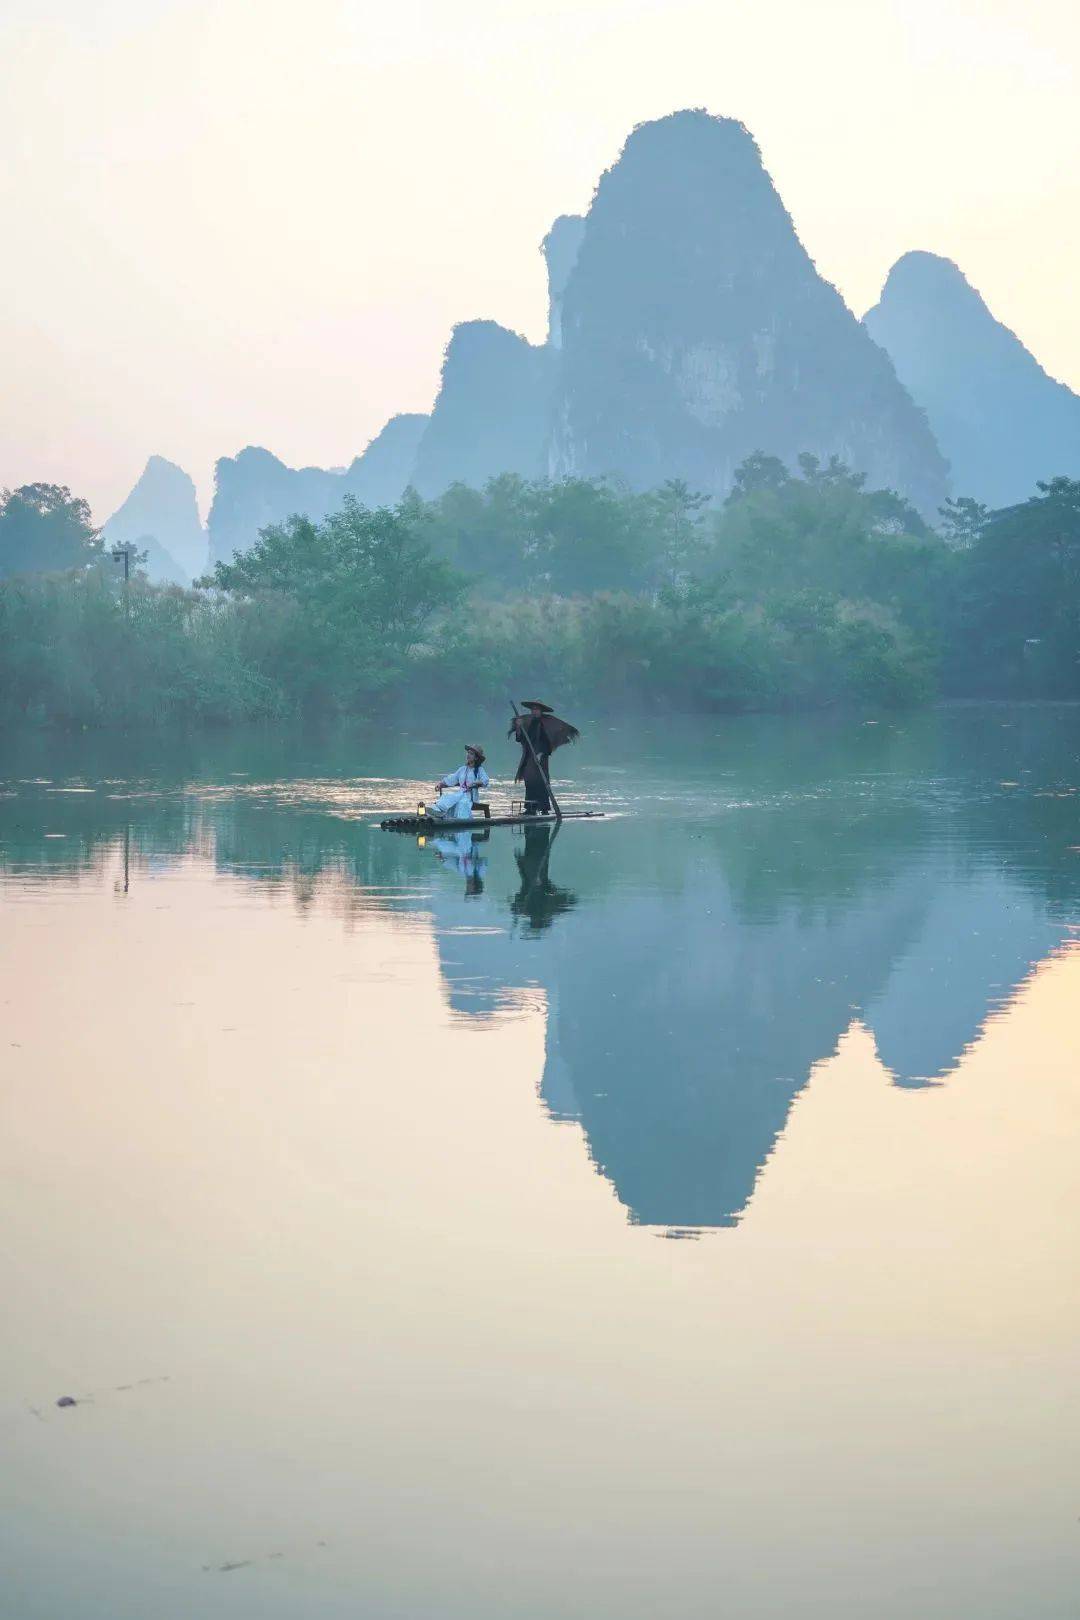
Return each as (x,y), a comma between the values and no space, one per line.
(228,223)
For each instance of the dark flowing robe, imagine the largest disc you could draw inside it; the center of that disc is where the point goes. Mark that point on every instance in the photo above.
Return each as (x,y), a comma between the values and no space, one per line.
(546,732)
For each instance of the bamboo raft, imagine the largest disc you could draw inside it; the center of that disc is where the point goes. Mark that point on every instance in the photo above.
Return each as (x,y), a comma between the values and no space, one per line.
(422,822)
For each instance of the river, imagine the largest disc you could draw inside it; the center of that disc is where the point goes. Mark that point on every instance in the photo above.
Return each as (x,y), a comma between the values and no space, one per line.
(673,1216)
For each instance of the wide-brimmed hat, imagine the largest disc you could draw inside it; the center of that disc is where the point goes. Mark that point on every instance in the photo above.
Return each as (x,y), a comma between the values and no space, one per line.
(474,748)
(532,703)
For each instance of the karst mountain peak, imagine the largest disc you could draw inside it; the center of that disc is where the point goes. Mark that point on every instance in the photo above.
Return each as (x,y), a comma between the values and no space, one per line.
(1001,420)
(688,327)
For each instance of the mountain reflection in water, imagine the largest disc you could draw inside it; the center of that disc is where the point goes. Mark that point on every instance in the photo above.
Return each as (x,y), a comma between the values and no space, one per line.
(752,897)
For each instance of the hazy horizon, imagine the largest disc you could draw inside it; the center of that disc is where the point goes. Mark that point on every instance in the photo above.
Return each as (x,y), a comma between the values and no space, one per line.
(226,232)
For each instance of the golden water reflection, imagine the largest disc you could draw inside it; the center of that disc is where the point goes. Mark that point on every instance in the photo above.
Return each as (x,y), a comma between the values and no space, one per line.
(332,1187)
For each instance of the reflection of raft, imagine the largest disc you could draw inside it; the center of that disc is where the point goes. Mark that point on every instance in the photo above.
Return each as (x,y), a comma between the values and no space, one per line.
(428,823)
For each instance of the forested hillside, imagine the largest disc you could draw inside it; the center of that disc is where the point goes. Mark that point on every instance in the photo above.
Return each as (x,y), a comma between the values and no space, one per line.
(804,589)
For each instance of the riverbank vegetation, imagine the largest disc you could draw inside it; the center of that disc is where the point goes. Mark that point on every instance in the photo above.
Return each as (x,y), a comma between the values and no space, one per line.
(803,590)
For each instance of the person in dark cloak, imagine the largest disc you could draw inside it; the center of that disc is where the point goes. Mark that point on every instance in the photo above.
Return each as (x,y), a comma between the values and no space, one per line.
(542,726)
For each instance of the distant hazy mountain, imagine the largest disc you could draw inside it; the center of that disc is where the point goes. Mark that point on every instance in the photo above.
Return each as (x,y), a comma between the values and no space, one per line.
(560,248)
(161,516)
(687,328)
(492,412)
(695,330)
(160,565)
(255,488)
(379,476)
(1001,421)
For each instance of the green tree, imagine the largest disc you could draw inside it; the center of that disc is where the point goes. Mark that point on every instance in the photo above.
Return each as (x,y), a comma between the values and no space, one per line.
(962,521)
(589,536)
(45,529)
(489,534)
(1018,630)
(825,532)
(349,599)
(756,474)
(675,515)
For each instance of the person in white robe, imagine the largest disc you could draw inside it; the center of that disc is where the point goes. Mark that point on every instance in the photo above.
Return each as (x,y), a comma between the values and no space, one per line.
(457,792)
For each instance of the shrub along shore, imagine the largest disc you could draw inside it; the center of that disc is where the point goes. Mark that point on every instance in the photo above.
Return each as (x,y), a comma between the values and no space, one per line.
(803,590)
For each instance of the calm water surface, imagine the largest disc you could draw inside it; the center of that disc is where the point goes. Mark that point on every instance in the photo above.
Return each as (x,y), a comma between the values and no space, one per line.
(674,1217)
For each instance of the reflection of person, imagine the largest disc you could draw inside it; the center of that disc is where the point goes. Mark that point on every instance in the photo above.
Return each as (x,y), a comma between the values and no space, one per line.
(538,900)
(459,851)
(456,802)
(541,727)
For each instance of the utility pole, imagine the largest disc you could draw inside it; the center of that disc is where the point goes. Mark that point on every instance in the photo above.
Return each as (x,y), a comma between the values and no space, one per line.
(124,553)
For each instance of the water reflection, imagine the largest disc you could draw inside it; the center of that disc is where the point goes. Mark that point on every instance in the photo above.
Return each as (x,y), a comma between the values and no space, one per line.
(462,852)
(355,1323)
(698,953)
(538,900)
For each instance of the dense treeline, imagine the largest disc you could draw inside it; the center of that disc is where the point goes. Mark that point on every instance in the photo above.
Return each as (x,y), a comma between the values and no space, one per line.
(804,589)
